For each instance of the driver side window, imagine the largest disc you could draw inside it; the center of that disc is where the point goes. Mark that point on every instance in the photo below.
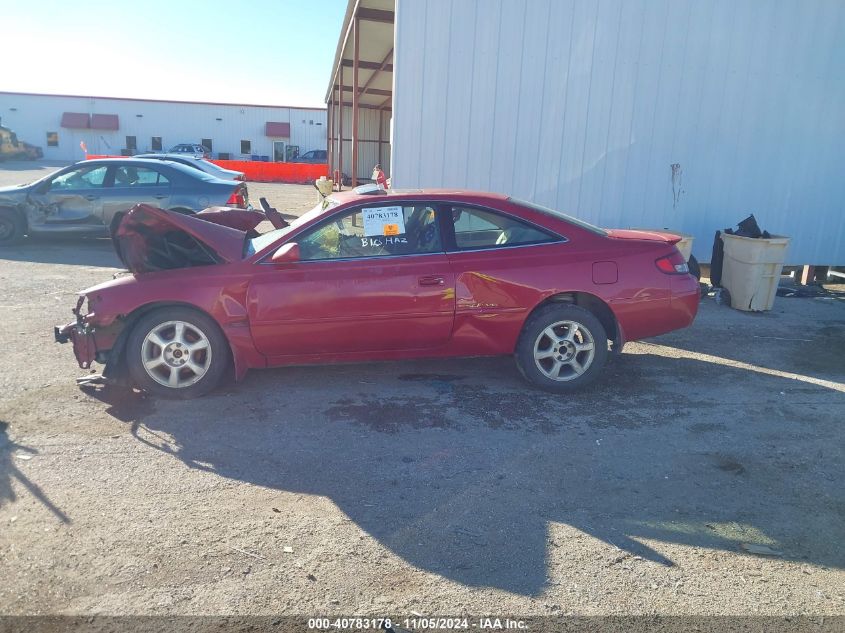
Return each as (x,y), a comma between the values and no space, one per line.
(82,178)
(374,231)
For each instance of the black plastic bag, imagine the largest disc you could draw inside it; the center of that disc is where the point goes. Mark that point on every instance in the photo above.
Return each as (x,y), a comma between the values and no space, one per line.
(716,260)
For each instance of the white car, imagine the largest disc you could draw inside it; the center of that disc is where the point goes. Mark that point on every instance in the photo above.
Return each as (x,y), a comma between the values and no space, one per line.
(191,149)
(198,163)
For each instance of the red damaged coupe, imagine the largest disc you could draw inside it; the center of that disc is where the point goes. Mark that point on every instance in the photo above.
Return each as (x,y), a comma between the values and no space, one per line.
(371,276)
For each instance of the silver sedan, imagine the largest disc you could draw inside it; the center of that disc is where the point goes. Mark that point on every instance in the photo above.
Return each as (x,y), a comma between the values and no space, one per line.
(84,197)
(198,163)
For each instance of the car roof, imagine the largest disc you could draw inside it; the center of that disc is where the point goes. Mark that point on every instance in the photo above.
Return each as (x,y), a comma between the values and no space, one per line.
(463,195)
(128,160)
(166,155)
(196,174)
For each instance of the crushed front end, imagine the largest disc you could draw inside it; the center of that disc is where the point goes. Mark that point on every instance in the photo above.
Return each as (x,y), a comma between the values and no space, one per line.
(90,342)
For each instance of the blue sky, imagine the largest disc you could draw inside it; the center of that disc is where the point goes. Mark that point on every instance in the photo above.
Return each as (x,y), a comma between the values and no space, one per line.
(254,51)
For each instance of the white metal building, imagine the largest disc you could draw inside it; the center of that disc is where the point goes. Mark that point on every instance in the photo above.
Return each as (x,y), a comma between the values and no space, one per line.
(58,123)
(629,113)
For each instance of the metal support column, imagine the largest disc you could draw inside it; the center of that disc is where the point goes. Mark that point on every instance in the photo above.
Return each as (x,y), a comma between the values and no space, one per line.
(356,54)
(340,132)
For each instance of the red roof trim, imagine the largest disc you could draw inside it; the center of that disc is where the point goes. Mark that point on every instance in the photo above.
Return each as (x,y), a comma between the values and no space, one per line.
(105,122)
(213,103)
(275,128)
(76,120)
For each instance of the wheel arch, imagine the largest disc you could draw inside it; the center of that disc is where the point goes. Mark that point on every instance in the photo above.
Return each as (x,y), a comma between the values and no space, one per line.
(115,366)
(17,210)
(594,304)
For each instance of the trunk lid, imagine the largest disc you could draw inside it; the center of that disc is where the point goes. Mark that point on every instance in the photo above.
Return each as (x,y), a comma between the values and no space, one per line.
(667,237)
(148,239)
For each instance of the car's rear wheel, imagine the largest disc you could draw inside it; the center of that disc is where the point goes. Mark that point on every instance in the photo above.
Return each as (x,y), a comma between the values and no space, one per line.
(177,352)
(12,227)
(562,348)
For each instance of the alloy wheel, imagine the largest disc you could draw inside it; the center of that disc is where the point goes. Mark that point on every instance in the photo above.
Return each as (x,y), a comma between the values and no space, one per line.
(176,354)
(564,350)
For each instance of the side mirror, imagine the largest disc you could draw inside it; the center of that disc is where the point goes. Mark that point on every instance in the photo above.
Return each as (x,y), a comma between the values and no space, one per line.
(287,254)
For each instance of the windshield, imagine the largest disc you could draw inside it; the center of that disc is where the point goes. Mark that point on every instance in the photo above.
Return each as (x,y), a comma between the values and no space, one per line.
(560,216)
(257,244)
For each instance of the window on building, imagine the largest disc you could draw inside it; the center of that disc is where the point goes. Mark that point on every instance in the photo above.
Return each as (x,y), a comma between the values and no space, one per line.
(206,142)
(131,142)
(52,139)
(156,144)
(246,147)
(481,228)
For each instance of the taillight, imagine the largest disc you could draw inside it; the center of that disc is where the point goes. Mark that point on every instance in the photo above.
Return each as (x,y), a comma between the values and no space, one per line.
(673,264)
(237,199)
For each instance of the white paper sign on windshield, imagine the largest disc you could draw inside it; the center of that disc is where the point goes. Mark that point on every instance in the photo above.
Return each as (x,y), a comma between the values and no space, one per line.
(383,221)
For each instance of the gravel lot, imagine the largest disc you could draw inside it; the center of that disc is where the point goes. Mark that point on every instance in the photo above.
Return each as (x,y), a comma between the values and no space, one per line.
(429,487)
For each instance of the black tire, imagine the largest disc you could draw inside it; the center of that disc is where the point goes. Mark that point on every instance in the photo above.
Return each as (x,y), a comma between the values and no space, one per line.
(531,335)
(694,268)
(213,367)
(12,227)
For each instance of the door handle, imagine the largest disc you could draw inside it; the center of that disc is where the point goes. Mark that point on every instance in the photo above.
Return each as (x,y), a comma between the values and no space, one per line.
(432,281)
(160,196)
(90,197)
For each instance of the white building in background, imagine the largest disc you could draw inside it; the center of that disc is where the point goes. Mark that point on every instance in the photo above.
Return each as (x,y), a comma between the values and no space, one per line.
(107,125)
(684,114)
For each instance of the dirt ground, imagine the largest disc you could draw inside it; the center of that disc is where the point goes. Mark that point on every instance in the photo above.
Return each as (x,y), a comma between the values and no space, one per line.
(424,487)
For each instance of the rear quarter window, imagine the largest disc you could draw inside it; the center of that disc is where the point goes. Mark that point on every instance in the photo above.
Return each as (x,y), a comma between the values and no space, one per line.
(559,216)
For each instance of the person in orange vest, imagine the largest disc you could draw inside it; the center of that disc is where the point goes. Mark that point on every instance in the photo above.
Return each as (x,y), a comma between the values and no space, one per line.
(379,177)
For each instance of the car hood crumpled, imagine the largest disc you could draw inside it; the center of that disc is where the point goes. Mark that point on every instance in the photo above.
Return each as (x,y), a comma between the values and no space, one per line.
(149,239)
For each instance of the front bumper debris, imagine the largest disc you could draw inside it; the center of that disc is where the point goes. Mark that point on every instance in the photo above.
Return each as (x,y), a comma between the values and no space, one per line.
(84,345)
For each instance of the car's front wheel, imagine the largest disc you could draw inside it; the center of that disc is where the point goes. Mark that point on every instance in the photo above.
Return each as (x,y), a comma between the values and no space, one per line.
(177,352)
(562,348)
(12,227)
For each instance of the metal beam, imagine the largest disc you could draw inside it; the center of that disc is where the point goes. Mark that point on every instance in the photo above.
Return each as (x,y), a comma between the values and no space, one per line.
(376,73)
(367,106)
(387,101)
(368,65)
(373,91)
(356,96)
(340,131)
(330,132)
(375,15)
(380,135)
(367,140)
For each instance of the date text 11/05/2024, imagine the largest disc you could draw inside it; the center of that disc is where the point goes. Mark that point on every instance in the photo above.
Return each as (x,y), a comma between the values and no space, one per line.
(417,623)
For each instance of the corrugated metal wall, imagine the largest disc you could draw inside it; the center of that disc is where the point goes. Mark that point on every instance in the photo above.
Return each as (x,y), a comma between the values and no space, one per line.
(32,116)
(636,113)
(368,145)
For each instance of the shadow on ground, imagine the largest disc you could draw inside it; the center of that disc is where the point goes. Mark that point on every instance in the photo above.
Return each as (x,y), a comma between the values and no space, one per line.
(9,473)
(73,251)
(462,471)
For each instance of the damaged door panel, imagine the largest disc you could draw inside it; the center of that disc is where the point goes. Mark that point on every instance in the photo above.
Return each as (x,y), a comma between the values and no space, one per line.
(72,202)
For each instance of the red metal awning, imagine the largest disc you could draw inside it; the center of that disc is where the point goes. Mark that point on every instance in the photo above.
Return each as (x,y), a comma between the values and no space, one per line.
(78,120)
(104,122)
(274,128)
